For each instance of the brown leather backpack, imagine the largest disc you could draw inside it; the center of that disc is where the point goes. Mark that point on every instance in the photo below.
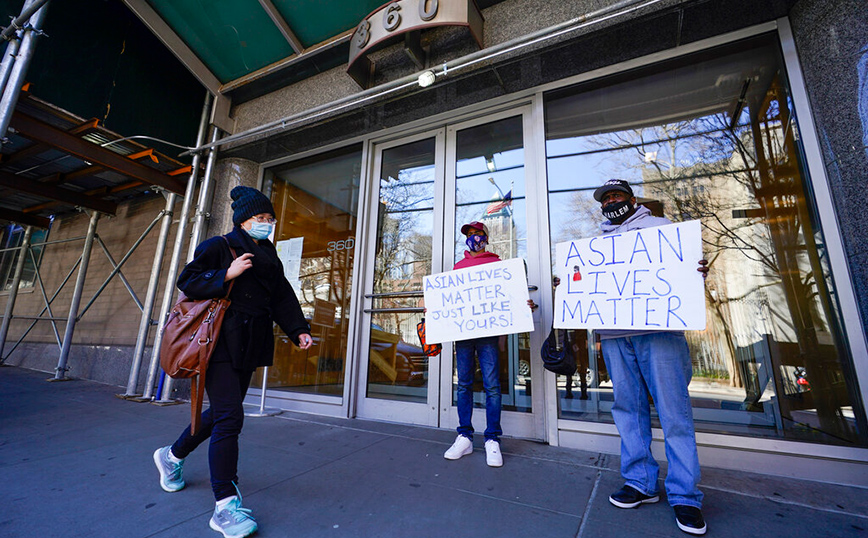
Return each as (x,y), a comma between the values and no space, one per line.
(189,339)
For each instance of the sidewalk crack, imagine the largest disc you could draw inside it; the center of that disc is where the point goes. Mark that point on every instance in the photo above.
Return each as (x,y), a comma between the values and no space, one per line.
(590,503)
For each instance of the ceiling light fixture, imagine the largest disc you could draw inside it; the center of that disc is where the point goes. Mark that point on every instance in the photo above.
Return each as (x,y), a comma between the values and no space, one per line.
(426,78)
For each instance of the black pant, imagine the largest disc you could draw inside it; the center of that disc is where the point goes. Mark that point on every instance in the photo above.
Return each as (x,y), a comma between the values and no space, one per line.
(222,422)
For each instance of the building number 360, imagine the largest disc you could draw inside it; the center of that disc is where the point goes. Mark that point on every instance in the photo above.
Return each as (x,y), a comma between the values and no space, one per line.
(346,244)
(392,20)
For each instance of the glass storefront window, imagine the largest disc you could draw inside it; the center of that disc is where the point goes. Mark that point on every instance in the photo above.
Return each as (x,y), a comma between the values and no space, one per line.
(316,201)
(713,137)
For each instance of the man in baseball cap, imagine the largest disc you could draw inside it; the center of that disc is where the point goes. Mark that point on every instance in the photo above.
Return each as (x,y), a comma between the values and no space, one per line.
(613,185)
(487,351)
(658,361)
(617,201)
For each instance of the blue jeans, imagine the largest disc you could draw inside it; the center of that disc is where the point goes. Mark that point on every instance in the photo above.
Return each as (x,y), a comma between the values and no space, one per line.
(659,364)
(488,355)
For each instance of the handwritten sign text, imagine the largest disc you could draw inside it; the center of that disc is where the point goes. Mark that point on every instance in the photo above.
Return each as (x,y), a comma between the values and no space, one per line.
(644,279)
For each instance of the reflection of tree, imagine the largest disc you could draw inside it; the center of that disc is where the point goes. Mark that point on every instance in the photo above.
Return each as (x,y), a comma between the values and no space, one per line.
(403,233)
(585,221)
(404,244)
(768,284)
(777,185)
(678,162)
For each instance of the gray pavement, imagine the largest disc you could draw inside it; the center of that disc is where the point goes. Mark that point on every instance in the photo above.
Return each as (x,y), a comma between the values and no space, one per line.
(76,461)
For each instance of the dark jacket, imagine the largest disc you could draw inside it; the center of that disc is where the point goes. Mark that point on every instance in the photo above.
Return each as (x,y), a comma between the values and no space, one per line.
(261,295)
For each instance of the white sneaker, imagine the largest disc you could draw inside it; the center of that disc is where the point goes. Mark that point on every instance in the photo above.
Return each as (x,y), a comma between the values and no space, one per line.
(493,457)
(461,447)
(171,473)
(233,521)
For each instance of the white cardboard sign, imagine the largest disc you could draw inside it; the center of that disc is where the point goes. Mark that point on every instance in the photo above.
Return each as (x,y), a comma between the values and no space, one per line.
(645,279)
(485,300)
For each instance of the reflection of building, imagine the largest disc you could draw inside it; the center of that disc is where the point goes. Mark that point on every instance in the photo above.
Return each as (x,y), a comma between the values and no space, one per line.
(787,316)
(502,229)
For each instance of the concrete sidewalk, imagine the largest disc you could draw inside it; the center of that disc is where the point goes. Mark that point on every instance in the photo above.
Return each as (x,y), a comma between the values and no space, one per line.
(76,461)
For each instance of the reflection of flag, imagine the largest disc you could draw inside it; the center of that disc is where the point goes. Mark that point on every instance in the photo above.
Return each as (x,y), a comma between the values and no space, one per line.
(497,205)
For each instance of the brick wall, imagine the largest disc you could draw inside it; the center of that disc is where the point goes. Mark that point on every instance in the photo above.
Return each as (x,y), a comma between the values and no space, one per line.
(111,323)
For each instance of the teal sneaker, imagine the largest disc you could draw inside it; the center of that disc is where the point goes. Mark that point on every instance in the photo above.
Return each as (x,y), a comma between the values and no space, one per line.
(171,473)
(232,520)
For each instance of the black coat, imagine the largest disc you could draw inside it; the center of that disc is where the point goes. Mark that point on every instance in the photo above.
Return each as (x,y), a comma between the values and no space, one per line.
(260,296)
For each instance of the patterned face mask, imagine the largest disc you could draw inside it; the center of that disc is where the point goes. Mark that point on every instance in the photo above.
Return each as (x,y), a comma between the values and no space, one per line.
(476,242)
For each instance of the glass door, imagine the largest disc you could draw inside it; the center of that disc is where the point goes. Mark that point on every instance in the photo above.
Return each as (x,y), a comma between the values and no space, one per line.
(427,186)
(405,217)
(490,179)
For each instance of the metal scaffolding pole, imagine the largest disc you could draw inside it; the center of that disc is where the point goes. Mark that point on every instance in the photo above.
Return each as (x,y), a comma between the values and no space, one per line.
(151,294)
(19,69)
(9,56)
(76,298)
(206,193)
(116,266)
(45,299)
(13,36)
(13,293)
(203,211)
(189,195)
(30,7)
(47,307)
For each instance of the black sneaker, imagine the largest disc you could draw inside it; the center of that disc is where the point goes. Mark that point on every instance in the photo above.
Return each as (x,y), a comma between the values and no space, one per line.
(629,497)
(689,519)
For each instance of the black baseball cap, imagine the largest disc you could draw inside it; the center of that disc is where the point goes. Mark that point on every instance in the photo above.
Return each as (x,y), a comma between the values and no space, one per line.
(612,185)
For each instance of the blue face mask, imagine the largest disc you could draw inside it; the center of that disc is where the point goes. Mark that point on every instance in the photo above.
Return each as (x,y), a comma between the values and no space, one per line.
(476,242)
(260,230)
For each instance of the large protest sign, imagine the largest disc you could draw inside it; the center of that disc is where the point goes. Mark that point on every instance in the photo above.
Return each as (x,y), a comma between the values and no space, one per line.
(485,300)
(645,279)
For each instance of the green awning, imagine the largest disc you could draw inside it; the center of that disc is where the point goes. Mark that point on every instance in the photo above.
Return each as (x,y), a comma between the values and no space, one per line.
(235,38)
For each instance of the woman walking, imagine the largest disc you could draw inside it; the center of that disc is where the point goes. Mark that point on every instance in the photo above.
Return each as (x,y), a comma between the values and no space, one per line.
(260,296)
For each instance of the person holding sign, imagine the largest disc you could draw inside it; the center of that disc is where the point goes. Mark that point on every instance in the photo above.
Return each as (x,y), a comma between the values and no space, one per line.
(660,361)
(487,350)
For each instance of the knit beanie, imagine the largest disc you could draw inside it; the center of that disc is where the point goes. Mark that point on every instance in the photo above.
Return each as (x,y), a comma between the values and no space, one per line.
(248,202)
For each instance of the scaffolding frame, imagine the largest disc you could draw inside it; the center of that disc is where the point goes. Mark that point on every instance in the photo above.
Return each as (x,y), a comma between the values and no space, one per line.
(76,313)
(21,37)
